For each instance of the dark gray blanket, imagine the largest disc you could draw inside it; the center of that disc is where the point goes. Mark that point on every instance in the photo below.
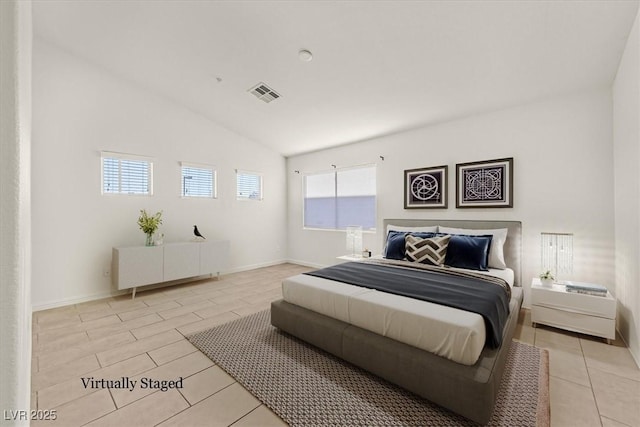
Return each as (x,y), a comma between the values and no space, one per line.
(487,299)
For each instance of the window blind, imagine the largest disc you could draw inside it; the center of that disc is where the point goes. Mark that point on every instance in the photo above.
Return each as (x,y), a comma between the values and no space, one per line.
(126,175)
(198,181)
(249,186)
(337,199)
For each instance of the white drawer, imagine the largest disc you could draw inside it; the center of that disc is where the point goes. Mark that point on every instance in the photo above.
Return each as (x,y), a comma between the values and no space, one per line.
(558,298)
(577,322)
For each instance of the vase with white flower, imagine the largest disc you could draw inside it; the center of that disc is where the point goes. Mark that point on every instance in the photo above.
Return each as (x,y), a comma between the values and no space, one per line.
(547,279)
(149,224)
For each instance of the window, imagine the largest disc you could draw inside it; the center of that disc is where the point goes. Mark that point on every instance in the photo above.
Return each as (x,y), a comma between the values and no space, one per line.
(198,181)
(126,174)
(340,198)
(249,186)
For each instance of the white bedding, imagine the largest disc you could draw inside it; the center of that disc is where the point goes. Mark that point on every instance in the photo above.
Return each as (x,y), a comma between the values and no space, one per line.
(448,332)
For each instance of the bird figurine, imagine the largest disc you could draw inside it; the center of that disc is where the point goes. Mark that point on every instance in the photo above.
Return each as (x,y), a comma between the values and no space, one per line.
(197,232)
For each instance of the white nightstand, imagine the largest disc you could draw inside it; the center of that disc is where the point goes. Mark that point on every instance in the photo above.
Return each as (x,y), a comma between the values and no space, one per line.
(587,314)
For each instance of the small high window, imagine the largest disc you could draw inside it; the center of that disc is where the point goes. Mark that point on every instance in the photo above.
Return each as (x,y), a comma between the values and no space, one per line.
(126,174)
(248,186)
(198,181)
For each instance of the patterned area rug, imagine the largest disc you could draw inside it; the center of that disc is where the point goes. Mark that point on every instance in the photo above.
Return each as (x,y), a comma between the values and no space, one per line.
(307,386)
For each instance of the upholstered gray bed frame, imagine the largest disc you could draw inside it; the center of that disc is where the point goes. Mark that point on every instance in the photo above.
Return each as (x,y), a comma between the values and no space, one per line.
(466,390)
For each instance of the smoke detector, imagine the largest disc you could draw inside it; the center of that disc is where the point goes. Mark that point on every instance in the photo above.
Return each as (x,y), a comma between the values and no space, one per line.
(305,55)
(264,92)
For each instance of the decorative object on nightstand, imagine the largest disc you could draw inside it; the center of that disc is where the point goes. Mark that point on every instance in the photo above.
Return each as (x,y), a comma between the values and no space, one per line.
(149,224)
(586,288)
(547,279)
(563,308)
(354,240)
(557,253)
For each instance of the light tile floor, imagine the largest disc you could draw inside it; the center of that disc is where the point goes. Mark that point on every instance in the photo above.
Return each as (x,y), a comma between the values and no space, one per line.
(591,383)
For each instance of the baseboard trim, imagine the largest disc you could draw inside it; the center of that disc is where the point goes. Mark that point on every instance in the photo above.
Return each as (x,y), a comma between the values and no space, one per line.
(256,266)
(115,293)
(76,300)
(305,263)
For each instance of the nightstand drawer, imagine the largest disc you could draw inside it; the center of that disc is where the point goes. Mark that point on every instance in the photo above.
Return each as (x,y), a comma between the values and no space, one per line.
(558,298)
(591,325)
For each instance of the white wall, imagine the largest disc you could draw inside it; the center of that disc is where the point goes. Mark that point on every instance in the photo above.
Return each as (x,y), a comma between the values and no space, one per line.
(15,208)
(626,132)
(80,109)
(562,150)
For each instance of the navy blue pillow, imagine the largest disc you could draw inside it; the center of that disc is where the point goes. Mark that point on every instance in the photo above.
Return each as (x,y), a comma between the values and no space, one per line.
(395,248)
(470,252)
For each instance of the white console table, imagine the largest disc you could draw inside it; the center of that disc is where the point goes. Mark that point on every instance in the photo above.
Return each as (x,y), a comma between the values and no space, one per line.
(136,266)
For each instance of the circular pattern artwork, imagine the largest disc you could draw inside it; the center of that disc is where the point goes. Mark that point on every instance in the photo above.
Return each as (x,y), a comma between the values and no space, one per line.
(424,187)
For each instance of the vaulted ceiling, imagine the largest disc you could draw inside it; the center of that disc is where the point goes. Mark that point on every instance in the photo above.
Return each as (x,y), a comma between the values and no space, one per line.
(378,67)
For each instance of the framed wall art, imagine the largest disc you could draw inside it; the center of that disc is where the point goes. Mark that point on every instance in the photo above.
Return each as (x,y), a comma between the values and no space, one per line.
(485,184)
(425,188)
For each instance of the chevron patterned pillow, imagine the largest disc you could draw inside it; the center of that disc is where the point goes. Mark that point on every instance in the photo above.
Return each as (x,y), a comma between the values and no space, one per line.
(431,250)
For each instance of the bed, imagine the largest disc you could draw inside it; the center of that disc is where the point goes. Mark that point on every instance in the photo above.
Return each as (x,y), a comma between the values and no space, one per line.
(465,381)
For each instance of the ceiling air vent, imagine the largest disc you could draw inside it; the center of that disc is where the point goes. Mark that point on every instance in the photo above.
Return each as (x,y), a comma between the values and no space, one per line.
(264,92)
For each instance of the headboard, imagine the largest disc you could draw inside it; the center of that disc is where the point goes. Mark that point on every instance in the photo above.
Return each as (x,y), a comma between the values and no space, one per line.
(512,246)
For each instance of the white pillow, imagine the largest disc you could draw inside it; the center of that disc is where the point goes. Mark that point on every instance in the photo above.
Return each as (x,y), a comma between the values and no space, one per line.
(496,250)
(431,229)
